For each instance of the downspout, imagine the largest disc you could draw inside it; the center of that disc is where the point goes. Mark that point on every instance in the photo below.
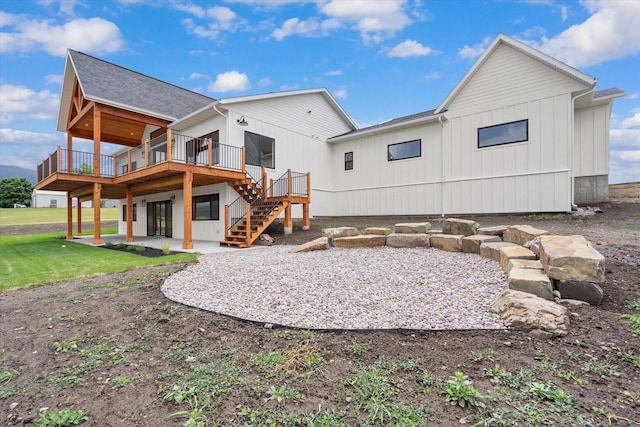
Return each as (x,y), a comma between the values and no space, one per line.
(442,164)
(573,140)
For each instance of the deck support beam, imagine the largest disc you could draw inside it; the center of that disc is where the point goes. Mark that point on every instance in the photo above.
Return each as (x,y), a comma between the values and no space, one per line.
(187,187)
(69,216)
(129,237)
(288,221)
(79,233)
(97,190)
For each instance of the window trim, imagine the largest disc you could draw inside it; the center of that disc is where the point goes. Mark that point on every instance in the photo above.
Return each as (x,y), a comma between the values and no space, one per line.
(515,141)
(348,163)
(214,214)
(273,149)
(124,212)
(391,159)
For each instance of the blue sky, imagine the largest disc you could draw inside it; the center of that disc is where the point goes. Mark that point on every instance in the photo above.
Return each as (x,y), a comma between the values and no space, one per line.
(380,59)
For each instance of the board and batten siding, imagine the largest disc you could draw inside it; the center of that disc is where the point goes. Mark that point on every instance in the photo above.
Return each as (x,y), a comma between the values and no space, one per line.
(377,186)
(592,140)
(528,176)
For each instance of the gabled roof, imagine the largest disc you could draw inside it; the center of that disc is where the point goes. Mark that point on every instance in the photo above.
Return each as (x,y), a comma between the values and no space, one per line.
(409,120)
(120,87)
(501,39)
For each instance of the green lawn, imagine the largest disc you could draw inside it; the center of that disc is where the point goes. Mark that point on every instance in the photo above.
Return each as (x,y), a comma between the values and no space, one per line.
(49,215)
(31,259)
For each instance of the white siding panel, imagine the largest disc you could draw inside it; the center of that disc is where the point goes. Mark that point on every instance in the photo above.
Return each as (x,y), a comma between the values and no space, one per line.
(591,154)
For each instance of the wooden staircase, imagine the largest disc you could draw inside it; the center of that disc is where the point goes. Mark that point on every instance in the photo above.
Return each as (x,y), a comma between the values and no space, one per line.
(263,213)
(248,189)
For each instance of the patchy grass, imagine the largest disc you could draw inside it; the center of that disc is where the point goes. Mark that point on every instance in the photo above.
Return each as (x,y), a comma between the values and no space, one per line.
(42,258)
(29,216)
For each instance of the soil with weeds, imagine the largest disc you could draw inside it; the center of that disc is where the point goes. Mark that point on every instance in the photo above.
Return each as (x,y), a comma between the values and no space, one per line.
(139,250)
(114,347)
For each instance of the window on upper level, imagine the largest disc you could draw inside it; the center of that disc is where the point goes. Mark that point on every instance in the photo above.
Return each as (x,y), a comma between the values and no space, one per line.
(259,150)
(348,161)
(506,133)
(404,150)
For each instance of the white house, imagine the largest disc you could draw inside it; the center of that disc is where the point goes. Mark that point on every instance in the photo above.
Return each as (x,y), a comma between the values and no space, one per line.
(520,132)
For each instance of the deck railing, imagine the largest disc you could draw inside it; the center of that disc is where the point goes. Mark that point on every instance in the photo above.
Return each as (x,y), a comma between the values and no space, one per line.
(184,149)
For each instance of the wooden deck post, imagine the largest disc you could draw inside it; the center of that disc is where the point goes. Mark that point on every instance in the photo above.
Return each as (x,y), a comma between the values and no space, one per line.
(187,190)
(129,160)
(79,233)
(69,216)
(97,136)
(289,183)
(58,159)
(264,177)
(306,220)
(247,230)
(97,189)
(288,222)
(169,147)
(69,153)
(129,237)
(226,220)
(243,159)
(146,153)
(115,165)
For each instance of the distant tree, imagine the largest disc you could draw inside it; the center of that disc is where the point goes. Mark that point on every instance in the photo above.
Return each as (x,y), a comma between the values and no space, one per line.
(15,190)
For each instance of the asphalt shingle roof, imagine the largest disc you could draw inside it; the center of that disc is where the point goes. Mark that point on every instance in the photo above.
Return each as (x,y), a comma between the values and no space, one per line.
(112,84)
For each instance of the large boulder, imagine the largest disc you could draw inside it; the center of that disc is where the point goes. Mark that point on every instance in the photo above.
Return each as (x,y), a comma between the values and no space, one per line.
(464,227)
(447,242)
(531,281)
(521,234)
(319,244)
(571,259)
(522,310)
(471,244)
(408,240)
(514,252)
(361,241)
(491,250)
(524,263)
(582,291)
(497,230)
(412,227)
(334,233)
(380,231)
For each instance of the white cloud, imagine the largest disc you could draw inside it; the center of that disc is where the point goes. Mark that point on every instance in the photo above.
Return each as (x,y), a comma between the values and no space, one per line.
(624,155)
(23,137)
(333,73)
(634,95)
(196,76)
(409,48)
(612,31)
(374,23)
(221,19)
(53,79)
(340,94)
(312,27)
(472,52)
(231,81)
(265,81)
(432,76)
(288,87)
(20,102)
(632,122)
(94,35)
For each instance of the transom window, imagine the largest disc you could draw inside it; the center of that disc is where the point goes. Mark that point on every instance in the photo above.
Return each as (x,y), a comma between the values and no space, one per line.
(348,161)
(506,133)
(259,150)
(206,207)
(404,150)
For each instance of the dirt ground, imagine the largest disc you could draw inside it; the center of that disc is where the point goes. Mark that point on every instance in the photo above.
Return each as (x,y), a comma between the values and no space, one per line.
(113,346)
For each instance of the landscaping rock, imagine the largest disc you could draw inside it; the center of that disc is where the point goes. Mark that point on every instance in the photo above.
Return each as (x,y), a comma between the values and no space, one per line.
(514,252)
(361,241)
(380,231)
(491,250)
(408,240)
(521,234)
(524,263)
(319,244)
(523,310)
(533,282)
(582,291)
(447,242)
(471,244)
(498,230)
(571,259)
(334,233)
(456,226)
(412,227)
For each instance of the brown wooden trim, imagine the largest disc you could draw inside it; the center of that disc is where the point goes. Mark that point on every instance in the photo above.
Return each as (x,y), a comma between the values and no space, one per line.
(130,115)
(97,123)
(288,221)
(97,238)
(169,145)
(157,184)
(69,217)
(306,221)
(187,187)
(81,113)
(79,217)
(129,237)
(146,153)
(247,238)
(69,153)
(289,183)
(210,152)
(226,219)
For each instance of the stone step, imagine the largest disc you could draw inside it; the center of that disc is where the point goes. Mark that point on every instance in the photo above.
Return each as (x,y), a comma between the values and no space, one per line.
(514,252)
(412,227)
(361,241)
(533,282)
(456,226)
(471,244)
(447,242)
(491,250)
(408,240)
